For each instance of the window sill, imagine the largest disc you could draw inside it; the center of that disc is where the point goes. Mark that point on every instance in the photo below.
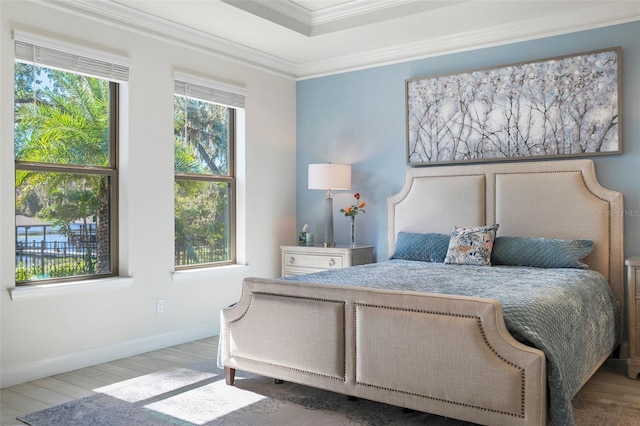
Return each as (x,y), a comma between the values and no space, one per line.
(201,273)
(77,287)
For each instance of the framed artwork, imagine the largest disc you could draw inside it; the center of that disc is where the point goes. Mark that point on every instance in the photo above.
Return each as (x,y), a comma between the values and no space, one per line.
(558,107)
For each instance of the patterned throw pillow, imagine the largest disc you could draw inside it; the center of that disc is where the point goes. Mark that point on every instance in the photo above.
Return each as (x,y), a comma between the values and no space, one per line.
(422,247)
(471,246)
(540,252)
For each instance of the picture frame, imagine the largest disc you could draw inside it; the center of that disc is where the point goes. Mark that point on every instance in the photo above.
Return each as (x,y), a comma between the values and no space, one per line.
(566,106)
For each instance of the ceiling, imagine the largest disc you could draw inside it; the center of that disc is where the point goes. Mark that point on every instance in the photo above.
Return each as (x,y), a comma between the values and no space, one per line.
(308,38)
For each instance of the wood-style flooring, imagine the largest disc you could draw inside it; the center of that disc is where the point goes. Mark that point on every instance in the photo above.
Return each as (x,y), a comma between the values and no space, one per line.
(610,382)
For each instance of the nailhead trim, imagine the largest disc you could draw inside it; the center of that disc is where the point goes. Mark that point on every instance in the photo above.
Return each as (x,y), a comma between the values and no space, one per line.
(479,322)
(317,299)
(297,370)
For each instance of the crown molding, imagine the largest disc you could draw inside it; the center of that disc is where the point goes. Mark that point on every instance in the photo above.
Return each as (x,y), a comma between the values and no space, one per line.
(310,18)
(143,23)
(284,13)
(310,23)
(329,14)
(350,10)
(592,17)
(275,11)
(595,15)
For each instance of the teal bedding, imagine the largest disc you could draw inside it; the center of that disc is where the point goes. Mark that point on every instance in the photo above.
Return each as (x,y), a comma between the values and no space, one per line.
(569,314)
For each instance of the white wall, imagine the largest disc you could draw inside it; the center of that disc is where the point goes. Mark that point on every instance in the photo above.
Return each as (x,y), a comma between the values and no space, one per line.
(41,336)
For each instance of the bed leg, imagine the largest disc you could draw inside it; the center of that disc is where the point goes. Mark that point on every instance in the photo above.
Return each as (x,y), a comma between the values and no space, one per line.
(229,375)
(278,381)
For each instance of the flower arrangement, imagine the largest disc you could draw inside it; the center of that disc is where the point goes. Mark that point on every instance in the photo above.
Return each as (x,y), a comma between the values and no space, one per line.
(354,209)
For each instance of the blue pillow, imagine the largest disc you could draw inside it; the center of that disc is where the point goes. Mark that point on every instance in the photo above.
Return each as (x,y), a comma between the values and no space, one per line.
(540,252)
(423,247)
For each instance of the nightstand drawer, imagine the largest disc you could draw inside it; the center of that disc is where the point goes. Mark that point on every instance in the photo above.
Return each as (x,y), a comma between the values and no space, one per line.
(312,261)
(308,259)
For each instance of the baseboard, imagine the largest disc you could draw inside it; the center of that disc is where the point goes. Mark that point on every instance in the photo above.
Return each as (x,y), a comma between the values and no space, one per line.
(25,372)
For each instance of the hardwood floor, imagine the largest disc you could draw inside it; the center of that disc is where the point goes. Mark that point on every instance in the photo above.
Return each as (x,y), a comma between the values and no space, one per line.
(610,382)
(50,391)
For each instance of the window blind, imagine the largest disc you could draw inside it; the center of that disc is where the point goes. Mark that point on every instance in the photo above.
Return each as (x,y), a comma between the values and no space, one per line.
(62,56)
(208,90)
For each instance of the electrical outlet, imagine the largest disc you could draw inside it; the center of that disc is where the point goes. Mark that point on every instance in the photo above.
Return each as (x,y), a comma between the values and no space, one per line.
(159,306)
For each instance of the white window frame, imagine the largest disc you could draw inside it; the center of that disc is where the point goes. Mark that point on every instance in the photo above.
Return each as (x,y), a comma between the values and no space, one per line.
(56,54)
(232,97)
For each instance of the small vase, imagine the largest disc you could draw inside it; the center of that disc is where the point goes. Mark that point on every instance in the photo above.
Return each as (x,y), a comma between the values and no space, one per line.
(353,231)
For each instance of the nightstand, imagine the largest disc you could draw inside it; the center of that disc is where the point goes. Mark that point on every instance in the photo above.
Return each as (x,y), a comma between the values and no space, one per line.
(306,259)
(633,304)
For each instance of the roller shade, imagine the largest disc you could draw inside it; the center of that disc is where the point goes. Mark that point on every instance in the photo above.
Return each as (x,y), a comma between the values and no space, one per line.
(209,90)
(62,56)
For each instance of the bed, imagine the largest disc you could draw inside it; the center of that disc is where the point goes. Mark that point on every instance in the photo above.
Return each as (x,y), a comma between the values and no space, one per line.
(446,354)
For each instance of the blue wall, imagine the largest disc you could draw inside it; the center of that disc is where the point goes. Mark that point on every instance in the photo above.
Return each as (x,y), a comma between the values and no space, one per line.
(358,118)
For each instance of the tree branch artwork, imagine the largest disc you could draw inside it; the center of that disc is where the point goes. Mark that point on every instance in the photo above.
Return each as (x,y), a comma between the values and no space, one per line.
(567,106)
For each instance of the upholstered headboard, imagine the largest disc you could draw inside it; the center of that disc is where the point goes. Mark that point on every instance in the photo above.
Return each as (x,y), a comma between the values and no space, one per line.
(553,199)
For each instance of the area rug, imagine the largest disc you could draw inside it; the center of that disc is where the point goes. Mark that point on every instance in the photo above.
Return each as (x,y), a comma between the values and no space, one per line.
(199,396)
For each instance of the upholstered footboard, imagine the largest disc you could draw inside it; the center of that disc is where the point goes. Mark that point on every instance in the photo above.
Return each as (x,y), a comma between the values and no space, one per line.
(440,354)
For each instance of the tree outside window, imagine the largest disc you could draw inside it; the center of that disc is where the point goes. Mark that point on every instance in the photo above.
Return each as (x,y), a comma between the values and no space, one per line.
(204,183)
(64,146)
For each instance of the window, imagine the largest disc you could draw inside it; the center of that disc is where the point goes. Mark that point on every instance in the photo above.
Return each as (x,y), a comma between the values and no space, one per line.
(65,148)
(205,182)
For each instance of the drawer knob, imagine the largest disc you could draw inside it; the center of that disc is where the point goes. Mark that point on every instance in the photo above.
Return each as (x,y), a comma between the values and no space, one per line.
(292,260)
(332,262)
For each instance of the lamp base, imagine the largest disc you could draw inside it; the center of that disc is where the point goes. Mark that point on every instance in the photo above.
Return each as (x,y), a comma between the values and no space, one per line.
(328,221)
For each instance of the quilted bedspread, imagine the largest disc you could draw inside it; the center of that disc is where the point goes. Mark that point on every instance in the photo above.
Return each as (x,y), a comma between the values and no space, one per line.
(569,314)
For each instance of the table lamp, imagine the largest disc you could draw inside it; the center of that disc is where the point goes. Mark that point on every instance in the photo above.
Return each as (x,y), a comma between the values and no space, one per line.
(329,177)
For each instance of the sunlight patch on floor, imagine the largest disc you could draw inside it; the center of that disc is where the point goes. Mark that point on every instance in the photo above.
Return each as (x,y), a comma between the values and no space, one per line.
(155,385)
(204,404)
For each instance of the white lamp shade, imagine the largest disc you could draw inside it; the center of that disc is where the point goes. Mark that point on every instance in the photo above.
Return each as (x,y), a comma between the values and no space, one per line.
(329,176)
